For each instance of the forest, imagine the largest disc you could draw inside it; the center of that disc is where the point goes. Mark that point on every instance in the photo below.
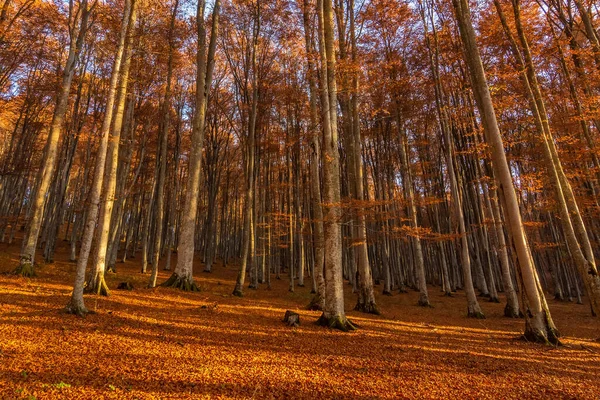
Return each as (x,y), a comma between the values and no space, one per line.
(299,199)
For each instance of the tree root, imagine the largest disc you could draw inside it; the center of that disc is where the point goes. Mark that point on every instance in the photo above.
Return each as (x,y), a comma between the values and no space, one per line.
(238,292)
(387,293)
(337,322)
(25,269)
(368,308)
(510,312)
(97,285)
(185,284)
(477,314)
(536,336)
(494,300)
(424,302)
(79,311)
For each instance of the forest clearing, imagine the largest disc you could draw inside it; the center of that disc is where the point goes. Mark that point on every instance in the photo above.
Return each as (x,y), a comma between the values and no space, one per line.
(166,344)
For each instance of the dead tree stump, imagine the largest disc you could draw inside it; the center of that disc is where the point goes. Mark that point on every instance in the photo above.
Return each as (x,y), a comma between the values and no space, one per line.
(291,318)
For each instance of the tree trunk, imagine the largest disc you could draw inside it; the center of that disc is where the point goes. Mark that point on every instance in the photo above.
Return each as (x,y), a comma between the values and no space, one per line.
(539,326)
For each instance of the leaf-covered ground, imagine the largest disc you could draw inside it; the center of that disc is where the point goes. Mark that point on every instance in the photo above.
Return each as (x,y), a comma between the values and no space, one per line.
(167,344)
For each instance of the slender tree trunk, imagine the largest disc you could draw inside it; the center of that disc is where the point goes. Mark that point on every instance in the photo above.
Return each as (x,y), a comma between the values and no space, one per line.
(78,32)
(162,156)
(248,253)
(96,283)
(333,313)
(183,277)
(539,326)
(318,301)
(76,304)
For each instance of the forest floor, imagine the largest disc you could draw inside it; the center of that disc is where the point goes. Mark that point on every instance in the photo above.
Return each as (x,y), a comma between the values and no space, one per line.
(167,344)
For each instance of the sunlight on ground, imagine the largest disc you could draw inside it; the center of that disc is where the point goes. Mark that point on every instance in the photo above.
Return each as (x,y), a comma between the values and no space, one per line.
(164,343)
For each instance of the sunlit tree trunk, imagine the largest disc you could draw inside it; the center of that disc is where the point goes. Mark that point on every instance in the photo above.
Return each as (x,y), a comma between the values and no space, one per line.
(539,326)
(318,300)
(96,283)
(182,276)
(76,304)
(77,31)
(333,313)
(248,243)
(162,155)
(571,220)
(366,295)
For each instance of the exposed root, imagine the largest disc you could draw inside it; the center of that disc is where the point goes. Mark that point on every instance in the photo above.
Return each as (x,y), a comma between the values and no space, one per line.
(238,292)
(510,312)
(182,283)
(475,314)
(97,285)
(387,293)
(536,336)
(78,310)
(25,269)
(494,300)
(337,322)
(540,329)
(424,302)
(368,308)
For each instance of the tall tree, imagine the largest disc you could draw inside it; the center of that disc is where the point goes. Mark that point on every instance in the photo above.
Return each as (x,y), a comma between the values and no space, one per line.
(539,326)
(333,312)
(78,20)
(182,276)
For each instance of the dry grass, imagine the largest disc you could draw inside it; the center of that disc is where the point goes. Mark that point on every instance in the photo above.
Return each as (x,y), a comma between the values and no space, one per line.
(163,343)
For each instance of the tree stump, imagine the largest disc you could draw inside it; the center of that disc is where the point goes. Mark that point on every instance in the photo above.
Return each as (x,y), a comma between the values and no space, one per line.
(291,318)
(125,286)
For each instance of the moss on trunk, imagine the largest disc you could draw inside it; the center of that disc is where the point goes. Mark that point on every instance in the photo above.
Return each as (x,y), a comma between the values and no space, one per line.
(26,269)
(511,312)
(368,307)
(97,285)
(540,329)
(474,312)
(336,322)
(78,310)
(182,283)
(424,301)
